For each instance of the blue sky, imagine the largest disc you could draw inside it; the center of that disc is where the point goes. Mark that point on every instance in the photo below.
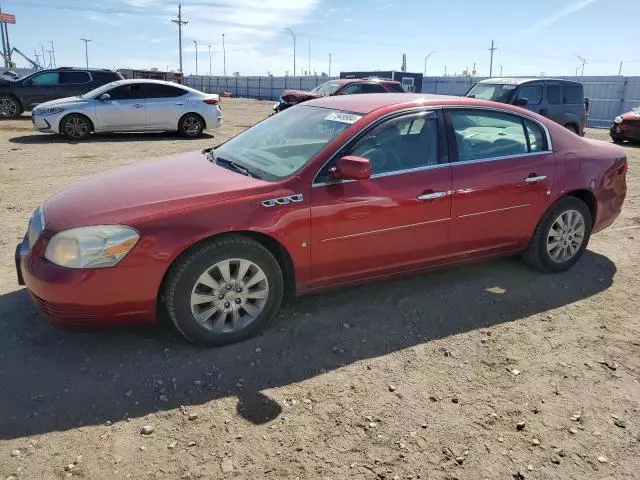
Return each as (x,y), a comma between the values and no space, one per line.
(531,36)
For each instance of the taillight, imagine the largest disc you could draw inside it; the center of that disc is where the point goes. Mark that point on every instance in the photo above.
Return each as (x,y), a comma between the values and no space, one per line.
(212,101)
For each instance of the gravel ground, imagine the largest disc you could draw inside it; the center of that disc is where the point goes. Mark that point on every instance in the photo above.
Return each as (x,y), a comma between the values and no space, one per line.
(486,371)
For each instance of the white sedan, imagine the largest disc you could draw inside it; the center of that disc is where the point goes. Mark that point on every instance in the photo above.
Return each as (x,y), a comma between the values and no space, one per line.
(131,105)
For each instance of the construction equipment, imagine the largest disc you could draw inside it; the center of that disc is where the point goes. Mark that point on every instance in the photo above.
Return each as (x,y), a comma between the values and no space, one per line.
(12,64)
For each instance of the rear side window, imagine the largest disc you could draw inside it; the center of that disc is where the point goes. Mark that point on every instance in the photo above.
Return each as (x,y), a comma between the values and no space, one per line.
(533,94)
(74,77)
(485,134)
(352,89)
(373,88)
(105,77)
(394,87)
(572,95)
(152,90)
(554,94)
(126,92)
(536,135)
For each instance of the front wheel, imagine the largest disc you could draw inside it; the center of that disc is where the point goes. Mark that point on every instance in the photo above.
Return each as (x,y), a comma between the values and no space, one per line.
(75,127)
(561,236)
(9,107)
(224,291)
(191,125)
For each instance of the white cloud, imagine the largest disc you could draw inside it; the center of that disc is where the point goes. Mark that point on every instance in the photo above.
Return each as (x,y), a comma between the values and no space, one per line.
(557,15)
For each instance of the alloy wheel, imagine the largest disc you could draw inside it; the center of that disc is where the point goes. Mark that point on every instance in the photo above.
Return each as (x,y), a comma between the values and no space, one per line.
(76,127)
(566,236)
(192,126)
(229,295)
(8,107)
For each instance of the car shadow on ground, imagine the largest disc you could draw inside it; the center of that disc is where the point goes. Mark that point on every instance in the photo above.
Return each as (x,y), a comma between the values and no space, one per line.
(40,138)
(55,380)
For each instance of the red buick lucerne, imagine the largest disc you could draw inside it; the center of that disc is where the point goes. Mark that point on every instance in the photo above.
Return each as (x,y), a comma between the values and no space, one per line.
(335,191)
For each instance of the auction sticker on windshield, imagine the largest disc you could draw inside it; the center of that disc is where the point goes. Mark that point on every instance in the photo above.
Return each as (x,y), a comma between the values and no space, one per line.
(343,117)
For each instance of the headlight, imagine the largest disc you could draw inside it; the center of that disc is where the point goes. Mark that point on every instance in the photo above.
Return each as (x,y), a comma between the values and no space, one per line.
(618,119)
(49,111)
(99,246)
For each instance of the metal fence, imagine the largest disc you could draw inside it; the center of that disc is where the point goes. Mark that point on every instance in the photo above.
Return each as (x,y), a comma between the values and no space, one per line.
(262,88)
(609,96)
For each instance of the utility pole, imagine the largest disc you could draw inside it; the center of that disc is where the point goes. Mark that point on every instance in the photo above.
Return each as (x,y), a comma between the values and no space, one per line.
(86,50)
(620,70)
(44,61)
(196,45)
(224,57)
(500,70)
(309,56)
(50,52)
(425,61)
(492,49)
(329,65)
(53,52)
(180,23)
(37,55)
(209,60)
(582,62)
(294,49)
(445,70)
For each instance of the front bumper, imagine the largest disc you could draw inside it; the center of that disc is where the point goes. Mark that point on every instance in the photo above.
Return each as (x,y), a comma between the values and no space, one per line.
(107,296)
(45,123)
(624,131)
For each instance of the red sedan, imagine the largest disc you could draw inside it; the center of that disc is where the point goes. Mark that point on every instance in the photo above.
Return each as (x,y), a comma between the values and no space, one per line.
(336,191)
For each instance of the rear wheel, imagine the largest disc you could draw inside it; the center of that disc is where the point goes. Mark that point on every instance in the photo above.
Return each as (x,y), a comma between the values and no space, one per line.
(9,107)
(224,291)
(572,127)
(191,125)
(561,236)
(75,126)
(617,139)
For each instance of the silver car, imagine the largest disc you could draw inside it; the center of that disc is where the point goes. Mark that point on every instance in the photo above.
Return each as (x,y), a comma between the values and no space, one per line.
(131,105)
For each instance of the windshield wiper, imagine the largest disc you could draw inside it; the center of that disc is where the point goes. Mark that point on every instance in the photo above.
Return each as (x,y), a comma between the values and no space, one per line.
(213,158)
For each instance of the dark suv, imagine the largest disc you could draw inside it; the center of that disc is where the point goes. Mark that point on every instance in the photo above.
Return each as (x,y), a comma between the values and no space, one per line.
(16,96)
(562,101)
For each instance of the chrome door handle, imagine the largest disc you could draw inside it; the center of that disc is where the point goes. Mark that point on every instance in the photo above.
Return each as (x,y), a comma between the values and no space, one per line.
(535,179)
(179,103)
(432,196)
(138,105)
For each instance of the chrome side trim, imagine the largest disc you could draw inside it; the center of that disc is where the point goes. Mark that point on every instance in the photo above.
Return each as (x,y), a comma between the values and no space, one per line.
(504,157)
(386,174)
(383,230)
(493,211)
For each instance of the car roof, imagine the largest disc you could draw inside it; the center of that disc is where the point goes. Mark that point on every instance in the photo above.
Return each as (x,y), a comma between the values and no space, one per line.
(148,80)
(343,81)
(520,81)
(367,103)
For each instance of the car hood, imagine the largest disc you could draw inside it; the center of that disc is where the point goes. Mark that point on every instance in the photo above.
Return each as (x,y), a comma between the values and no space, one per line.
(144,190)
(62,102)
(632,115)
(298,96)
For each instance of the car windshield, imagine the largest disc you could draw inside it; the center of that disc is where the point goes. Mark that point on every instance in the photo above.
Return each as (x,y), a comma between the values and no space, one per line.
(496,92)
(96,92)
(282,144)
(328,88)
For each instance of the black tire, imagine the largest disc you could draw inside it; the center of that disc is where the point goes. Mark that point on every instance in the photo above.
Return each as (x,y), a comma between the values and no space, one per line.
(184,276)
(191,125)
(536,253)
(75,127)
(10,107)
(572,127)
(617,139)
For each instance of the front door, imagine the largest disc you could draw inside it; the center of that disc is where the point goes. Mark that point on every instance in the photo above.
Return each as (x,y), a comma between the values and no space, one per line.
(42,87)
(395,220)
(502,175)
(124,110)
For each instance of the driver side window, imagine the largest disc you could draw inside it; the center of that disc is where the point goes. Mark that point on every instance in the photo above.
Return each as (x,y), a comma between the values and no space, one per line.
(47,78)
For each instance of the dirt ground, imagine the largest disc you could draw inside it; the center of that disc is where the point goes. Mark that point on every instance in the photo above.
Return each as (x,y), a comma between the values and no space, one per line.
(424,377)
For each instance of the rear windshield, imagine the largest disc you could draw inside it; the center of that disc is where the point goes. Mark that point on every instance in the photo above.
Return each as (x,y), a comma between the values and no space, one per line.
(495,92)
(394,87)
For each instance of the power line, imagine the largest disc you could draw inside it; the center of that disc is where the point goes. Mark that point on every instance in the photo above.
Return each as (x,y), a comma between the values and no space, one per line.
(54,6)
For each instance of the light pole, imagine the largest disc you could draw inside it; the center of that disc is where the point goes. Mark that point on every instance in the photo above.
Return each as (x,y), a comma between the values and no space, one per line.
(209,60)
(294,49)
(425,61)
(196,45)
(329,65)
(582,62)
(224,57)
(86,50)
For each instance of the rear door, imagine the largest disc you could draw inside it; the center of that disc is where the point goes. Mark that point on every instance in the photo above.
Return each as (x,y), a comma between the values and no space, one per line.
(503,171)
(124,110)
(554,108)
(74,83)
(396,219)
(164,106)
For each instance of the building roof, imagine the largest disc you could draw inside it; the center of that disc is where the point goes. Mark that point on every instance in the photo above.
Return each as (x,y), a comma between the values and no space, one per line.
(520,81)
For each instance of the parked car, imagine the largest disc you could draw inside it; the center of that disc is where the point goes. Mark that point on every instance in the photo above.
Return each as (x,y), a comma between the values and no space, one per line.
(626,127)
(348,86)
(562,101)
(131,105)
(22,94)
(334,192)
